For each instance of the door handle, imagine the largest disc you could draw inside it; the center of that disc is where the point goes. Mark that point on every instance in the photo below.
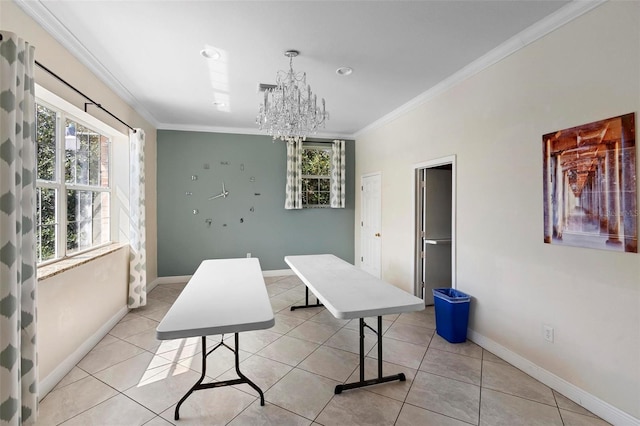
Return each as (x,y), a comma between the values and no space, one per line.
(377,234)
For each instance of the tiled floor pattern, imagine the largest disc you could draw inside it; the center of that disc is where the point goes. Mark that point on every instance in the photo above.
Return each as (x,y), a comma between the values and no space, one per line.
(130,378)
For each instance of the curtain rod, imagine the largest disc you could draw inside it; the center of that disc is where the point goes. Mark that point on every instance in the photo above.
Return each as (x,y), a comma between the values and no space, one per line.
(91,101)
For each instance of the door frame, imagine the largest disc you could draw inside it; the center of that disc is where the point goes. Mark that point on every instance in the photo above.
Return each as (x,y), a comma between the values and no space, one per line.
(362,177)
(450,159)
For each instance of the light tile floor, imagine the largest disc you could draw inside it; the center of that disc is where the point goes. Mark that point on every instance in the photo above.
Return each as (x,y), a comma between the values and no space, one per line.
(130,378)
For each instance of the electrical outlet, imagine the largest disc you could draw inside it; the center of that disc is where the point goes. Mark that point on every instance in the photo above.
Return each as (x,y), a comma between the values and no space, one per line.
(248,254)
(547,332)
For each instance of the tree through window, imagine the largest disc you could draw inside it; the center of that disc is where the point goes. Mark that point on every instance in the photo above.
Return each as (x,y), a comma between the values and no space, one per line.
(316,175)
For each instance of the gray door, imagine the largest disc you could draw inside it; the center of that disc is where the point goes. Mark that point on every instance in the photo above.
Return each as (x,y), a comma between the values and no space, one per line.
(434,229)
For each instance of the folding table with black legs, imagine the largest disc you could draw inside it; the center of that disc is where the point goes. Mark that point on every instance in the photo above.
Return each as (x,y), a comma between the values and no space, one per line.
(224,296)
(350,293)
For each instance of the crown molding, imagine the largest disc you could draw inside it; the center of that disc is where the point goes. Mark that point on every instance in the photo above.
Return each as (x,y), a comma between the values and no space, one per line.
(37,10)
(536,31)
(210,129)
(241,131)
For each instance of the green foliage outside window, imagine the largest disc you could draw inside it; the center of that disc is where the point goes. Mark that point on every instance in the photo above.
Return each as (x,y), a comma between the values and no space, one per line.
(316,176)
(46,197)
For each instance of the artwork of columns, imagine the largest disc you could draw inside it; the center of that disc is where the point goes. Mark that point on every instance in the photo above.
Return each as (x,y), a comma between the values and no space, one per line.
(590,185)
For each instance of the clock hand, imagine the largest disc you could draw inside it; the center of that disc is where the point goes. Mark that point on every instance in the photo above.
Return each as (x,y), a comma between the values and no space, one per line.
(223,194)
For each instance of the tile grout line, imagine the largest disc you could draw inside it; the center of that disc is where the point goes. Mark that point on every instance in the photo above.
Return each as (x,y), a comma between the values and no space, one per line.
(481,387)
(404,400)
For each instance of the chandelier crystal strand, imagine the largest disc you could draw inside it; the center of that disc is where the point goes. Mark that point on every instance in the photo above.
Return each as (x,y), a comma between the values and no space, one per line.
(290,111)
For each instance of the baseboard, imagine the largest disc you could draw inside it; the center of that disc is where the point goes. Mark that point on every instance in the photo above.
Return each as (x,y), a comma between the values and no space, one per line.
(152,285)
(170,280)
(48,383)
(592,403)
(277,273)
(185,278)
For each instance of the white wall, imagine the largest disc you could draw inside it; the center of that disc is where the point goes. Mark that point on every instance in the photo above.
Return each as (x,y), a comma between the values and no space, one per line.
(493,122)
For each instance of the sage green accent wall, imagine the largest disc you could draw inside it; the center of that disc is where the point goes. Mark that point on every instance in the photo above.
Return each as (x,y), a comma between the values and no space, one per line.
(243,222)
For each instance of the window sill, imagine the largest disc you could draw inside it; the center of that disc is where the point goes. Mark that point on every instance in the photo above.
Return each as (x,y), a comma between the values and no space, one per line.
(52,269)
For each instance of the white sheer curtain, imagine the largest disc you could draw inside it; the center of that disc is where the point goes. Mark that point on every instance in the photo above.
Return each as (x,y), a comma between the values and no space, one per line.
(137,225)
(338,175)
(293,189)
(18,283)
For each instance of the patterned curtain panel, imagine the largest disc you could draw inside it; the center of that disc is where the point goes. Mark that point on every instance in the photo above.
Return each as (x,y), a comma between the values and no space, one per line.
(137,226)
(293,190)
(338,175)
(18,366)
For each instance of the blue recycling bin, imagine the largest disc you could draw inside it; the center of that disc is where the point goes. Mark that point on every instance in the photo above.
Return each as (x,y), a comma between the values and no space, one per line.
(452,314)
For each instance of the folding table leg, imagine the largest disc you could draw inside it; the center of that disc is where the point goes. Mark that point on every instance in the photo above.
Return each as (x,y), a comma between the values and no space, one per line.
(195,387)
(306,301)
(243,377)
(199,385)
(380,378)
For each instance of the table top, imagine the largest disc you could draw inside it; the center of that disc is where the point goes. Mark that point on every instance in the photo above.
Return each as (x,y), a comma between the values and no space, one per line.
(349,292)
(223,296)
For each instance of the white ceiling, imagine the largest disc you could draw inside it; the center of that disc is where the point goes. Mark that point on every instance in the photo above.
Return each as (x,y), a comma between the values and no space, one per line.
(148,51)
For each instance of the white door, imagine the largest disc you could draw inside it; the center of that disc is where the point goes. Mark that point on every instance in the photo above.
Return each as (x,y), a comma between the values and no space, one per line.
(370,235)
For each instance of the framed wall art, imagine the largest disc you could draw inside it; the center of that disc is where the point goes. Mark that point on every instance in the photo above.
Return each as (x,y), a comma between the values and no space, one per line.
(590,185)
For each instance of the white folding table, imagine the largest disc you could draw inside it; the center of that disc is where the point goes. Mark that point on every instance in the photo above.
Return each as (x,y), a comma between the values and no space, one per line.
(349,293)
(223,296)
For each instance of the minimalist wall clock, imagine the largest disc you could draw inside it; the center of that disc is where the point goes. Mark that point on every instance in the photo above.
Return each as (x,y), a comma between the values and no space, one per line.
(241,189)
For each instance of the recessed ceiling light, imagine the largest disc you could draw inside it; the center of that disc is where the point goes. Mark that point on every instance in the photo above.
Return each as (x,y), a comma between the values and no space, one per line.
(210,53)
(344,71)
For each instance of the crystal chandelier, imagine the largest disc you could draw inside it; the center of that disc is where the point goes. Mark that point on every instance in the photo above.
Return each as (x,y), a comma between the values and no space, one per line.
(290,112)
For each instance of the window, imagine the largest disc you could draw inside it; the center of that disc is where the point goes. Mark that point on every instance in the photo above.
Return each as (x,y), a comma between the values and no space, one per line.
(73,191)
(316,175)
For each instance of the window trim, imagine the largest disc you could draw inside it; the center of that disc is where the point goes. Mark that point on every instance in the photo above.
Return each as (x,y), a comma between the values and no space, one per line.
(64,109)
